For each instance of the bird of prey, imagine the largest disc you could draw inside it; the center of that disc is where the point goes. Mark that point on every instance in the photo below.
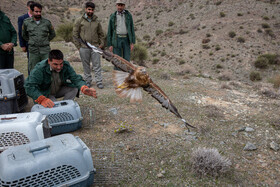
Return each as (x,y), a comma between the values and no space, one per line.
(132,79)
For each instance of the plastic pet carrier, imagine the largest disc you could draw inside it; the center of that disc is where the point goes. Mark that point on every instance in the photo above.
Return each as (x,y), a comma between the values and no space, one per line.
(12,93)
(64,117)
(23,128)
(62,160)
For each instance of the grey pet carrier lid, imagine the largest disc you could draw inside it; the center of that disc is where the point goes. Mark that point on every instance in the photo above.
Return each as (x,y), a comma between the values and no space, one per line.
(54,161)
(7,82)
(22,128)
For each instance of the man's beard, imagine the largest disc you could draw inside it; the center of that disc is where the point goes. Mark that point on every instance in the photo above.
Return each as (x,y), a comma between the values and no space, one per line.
(89,14)
(38,17)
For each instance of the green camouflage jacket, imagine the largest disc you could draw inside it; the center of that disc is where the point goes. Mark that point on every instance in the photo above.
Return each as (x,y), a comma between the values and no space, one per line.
(38,35)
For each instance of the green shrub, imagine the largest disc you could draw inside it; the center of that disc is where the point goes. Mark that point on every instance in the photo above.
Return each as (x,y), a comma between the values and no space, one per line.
(205,46)
(255,76)
(269,32)
(219,66)
(208,35)
(158,32)
(171,23)
(272,58)
(139,53)
(239,14)
(146,37)
(222,14)
(155,60)
(241,39)
(232,34)
(266,18)
(65,31)
(182,61)
(163,53)
(265,25)
(217,47)
(261,63)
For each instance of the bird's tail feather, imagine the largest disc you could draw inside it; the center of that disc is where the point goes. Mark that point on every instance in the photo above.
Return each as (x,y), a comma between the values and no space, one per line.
(122,90)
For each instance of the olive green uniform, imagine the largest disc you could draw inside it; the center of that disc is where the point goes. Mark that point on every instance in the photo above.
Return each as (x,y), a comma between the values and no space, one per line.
(38,36)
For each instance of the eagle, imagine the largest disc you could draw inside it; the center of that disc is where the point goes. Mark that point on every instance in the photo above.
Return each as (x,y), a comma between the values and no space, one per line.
(130,81)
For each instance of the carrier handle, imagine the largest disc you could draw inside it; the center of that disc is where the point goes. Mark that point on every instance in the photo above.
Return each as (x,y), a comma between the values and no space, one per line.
(39,148)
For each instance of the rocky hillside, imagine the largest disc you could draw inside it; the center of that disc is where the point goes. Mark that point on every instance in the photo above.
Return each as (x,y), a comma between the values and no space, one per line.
(187,36)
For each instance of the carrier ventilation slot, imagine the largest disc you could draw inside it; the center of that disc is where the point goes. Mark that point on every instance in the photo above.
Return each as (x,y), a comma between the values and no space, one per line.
(13,139)
(60,117)
(22,100)
(51,177)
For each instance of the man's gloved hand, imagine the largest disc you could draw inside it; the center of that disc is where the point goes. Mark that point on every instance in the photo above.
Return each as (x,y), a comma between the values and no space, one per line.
(45,102)
(88,91)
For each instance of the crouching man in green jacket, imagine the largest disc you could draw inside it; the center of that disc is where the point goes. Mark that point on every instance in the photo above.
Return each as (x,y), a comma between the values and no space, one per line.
(53,78)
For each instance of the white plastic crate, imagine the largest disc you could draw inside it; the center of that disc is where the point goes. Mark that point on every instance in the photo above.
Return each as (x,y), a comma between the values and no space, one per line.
(22,128)
(62,160)
(13,97)
(64,117)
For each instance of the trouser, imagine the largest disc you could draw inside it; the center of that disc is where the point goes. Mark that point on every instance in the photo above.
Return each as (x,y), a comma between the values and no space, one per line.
(35,58)
(66,92)
(6,61)
(88,55)
(122,49)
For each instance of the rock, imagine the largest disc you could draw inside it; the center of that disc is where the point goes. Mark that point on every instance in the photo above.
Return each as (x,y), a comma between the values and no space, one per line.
(113,111)
(274,146)
(249,129)
(250,147)
(164,124)
(160,175)
(241,129)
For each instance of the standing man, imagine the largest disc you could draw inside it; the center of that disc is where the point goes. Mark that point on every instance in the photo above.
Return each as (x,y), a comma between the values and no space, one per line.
(54,78)
(89,29)
(38,31)
(8,39)
(24,44)
(121,36)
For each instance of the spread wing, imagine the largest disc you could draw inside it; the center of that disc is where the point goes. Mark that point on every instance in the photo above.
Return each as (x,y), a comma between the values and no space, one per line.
(116,60)
(162,98)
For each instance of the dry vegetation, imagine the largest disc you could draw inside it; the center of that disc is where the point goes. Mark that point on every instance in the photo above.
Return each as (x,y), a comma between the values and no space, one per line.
(203,54)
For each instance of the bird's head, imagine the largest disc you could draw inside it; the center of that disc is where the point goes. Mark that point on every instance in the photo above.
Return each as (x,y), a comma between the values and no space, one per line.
(142,74)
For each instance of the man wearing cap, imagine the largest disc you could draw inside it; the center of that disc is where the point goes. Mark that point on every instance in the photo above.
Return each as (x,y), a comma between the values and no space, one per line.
(121,36)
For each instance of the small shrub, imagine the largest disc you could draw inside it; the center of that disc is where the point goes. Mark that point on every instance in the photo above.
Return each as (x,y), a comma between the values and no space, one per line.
(182,61)
(218,3)
(158,32)
(222,14)
(155,60)
(65,31)
(266,18)
(259,31)
(239,14)
(255,76)
(219,66)
(206,40)
(208,35)
(272,58)
(163,53)
(232,34)
(139,54)
(206,161)
(192,16)
(261,63)
(269,32)
(183,31)
(217,48)
(171,23)
(241,39)
(205,46)
(146,37)
(265,25)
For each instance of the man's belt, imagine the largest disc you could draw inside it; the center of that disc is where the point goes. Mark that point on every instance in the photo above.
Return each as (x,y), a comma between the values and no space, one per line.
(122,35)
